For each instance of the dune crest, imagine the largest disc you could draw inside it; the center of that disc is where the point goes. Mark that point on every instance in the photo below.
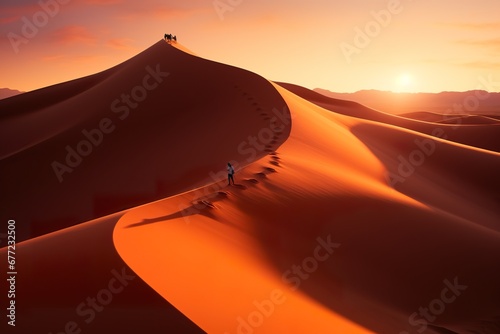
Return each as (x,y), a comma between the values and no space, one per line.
(153,126)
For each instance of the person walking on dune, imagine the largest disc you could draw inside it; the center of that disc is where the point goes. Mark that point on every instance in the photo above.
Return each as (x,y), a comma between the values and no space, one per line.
(230,173)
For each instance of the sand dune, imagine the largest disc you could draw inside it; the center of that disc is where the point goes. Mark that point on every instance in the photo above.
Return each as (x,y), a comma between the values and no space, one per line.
(343,219)
(461,119)
(471,120)
(439,118)
(183,124)
(477,102)
(59,272)
(485,134)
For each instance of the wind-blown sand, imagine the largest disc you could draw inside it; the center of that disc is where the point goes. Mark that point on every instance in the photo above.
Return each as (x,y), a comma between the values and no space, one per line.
(343,219)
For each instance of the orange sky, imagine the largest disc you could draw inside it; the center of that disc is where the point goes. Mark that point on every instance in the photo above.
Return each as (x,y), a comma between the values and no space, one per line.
(343,46)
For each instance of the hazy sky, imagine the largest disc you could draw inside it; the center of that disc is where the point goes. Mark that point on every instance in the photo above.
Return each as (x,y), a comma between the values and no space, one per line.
(344,46)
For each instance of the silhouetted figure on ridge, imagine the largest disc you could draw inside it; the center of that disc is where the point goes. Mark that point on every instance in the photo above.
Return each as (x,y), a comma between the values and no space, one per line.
(230,173)
(169,38)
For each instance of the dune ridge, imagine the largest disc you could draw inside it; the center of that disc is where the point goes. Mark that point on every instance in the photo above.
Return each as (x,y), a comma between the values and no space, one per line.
(146,136)
(480,101)
(83,254)
(482,132)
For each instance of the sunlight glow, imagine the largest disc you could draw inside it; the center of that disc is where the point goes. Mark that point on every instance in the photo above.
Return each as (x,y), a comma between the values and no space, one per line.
(403,82)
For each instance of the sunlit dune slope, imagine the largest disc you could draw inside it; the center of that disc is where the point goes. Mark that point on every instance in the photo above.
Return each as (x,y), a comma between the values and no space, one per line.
(475,131)
(316,237)
(151,127)
(73,280)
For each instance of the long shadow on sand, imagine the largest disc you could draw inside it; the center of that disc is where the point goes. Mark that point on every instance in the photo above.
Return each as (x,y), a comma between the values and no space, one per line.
(201,206)
(175,215)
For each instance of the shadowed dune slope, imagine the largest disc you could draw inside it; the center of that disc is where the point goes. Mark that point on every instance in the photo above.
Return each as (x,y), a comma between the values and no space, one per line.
(155,125)
(475,131)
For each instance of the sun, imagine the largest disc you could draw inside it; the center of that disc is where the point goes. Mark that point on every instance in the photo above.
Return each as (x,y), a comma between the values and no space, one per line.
(404,82)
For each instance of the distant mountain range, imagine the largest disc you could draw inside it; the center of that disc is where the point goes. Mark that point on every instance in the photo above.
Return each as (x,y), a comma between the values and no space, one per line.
(6,92)
(469,102)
